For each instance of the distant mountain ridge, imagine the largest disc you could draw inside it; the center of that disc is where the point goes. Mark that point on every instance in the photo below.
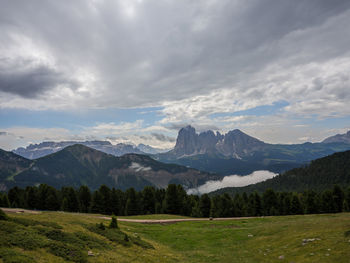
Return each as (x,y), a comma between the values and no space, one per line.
(78,165)
(339,138)
(34,151)
(238,153)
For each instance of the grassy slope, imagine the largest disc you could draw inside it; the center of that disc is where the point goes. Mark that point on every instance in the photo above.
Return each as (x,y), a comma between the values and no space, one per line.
(215,241)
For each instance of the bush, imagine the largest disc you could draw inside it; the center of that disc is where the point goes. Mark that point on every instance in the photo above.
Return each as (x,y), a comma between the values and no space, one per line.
(347,233)
(101,226)
(14,256)
(114,223)
(139,242)
(30,222)
(3,216)
(126,238)
(68,252)
(91,241)
(114,235)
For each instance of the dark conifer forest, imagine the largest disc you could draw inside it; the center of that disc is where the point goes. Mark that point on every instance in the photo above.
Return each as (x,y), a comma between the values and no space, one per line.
(175,200)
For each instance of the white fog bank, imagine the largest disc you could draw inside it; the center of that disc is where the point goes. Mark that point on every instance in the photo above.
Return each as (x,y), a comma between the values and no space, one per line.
(232,181)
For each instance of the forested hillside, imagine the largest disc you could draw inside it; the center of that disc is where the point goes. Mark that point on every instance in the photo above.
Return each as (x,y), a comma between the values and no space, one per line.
(320,174)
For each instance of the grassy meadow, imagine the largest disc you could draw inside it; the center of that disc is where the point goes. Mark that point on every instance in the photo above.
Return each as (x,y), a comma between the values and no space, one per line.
(67,237)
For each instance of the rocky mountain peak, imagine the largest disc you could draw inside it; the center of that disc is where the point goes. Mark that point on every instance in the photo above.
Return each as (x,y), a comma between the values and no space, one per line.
(233,144)
(187,141)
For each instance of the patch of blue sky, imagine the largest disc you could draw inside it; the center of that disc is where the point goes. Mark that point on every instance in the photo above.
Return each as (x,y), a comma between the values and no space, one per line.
(263,110)
(332,122)
(75,120)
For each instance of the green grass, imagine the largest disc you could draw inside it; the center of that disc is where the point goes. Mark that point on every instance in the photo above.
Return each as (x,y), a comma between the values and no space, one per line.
(59,237)
(158,216)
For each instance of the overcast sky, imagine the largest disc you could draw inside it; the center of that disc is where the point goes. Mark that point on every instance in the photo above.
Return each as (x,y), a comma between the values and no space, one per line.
(137,70)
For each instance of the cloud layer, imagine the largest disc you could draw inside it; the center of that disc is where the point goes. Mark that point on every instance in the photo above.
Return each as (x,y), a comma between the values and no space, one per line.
(224,55)
(192,60)
(232,181)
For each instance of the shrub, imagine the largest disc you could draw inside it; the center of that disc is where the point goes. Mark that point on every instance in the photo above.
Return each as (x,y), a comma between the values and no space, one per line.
(101,226)
(31,222)
(13,256)
(68,252)
(126,238)
(91,241)
(114,223)
(3,216)
(347,233)
(139,242)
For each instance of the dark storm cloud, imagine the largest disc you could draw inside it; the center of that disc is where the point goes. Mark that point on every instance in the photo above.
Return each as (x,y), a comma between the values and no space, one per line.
(162,137)
(27,80)
(174,49)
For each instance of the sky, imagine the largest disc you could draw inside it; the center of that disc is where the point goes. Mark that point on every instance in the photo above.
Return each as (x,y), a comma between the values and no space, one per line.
(136,71)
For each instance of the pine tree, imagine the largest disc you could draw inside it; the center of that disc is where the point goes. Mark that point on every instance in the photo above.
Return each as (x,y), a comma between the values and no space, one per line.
(287,204)
(257,205)
(148,200)
(73,203)
(131,207)
(84,197)
(115,202)
(347,198)
(42,196)
(296,208)
(65,205)
(196,212)
(106,199)
(311,205)
(216,206)
(16,197)
(181,199)
(239,205)
(171,200)
(97,205)
(114,223)
(327,202)
(52,202)
(204,205)
(227,206)
(5,201)
(270,202)
(32,197)
(338,197)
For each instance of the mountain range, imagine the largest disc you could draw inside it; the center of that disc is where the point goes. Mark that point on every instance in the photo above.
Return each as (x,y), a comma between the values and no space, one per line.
(78,165)
(238,153)
(122,166)
(34,151)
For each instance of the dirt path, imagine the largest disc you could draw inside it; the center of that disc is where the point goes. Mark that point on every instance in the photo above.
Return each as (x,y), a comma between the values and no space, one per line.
(19,210)
(143,221)
(170,221)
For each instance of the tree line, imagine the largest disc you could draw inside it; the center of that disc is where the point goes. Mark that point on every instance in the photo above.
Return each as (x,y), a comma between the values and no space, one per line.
(175,200)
